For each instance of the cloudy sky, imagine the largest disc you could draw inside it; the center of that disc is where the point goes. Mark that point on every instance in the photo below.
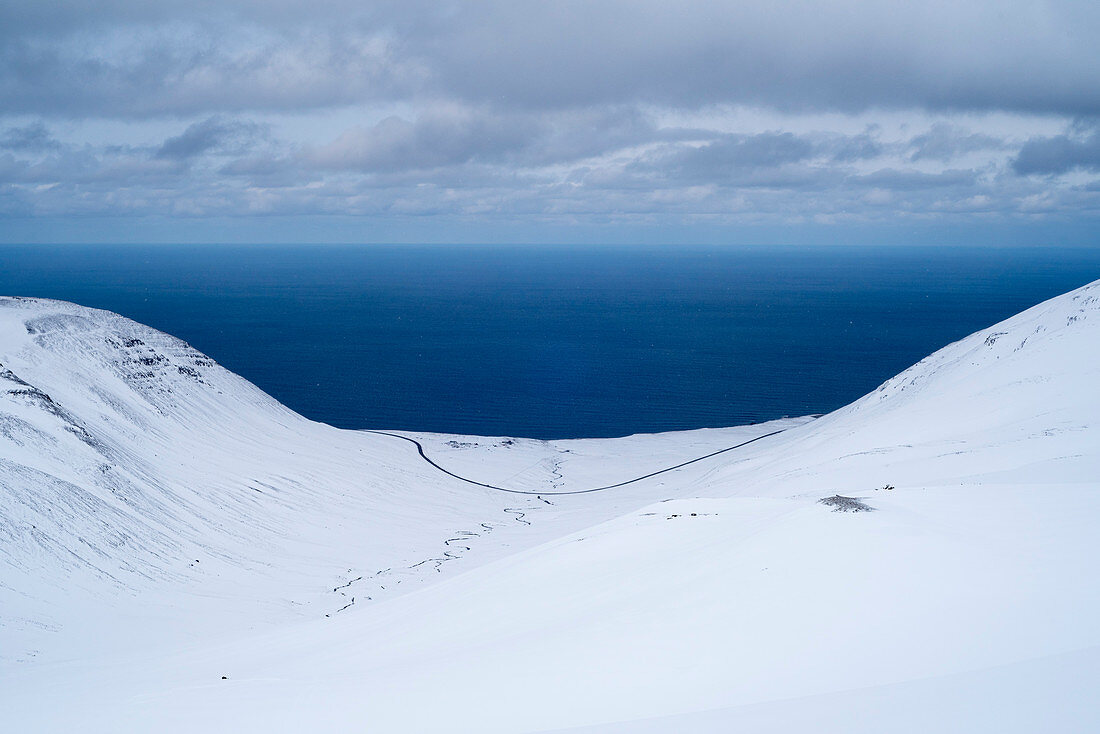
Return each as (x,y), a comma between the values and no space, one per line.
(597,121)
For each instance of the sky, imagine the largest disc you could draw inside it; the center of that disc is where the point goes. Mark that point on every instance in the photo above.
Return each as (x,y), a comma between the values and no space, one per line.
(845,121)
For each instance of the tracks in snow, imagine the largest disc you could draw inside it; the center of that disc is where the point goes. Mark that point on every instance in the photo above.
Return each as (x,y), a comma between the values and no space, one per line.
(457,544)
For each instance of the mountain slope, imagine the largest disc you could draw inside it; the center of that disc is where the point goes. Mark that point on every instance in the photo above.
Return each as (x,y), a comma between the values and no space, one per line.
(1017,402)
(966,597)
(134,467)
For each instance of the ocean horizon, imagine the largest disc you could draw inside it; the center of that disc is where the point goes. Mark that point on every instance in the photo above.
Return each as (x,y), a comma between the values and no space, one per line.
(554,341)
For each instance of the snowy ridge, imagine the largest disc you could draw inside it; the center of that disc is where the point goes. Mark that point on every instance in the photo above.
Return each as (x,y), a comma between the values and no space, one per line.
(141,480)
(1017,401)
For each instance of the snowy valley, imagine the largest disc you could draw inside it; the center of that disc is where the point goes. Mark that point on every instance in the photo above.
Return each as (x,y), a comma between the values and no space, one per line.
(180,552)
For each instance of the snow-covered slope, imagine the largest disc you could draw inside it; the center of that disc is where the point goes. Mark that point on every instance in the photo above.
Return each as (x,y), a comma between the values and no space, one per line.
(1017,402)
(134,467)
(142,481)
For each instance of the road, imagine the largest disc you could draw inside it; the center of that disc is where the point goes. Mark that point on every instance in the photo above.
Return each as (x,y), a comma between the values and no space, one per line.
(425,457)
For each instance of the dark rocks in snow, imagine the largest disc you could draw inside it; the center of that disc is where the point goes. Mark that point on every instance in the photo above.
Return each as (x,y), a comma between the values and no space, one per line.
(845,504)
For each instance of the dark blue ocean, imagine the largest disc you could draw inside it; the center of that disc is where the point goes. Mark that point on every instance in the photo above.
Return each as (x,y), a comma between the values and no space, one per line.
(555,342)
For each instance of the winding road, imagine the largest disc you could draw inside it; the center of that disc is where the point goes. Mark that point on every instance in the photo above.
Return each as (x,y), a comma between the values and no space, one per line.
(425,457)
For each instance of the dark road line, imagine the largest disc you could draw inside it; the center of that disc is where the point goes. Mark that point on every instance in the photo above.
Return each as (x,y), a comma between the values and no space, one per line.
(425,457)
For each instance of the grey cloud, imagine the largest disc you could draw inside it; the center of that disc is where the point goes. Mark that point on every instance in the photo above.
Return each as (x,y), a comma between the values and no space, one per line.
(845,149)
(574,135)
(35,137)
(131,58)
(270,168)
(213,133)
(781,161)
(255,166)
(194,68)
(443,137)
(45,18)
(484,163)
(452,135)
(946,141)
(731,155)
(847,55)
(909,180)
(637,157)
(81,167)
(132,183)
(1059,154)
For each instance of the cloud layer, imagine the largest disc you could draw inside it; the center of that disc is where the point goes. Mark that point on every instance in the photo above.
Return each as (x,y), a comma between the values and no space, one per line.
(565,113)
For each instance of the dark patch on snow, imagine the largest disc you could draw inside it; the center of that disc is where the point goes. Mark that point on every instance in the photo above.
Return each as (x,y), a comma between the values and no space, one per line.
(845,504)
(188,371)
(29,394)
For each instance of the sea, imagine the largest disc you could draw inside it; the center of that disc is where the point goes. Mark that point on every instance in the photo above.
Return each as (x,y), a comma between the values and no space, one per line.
(555,341)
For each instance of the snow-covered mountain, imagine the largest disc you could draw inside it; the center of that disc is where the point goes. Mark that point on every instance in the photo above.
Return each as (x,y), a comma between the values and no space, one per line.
(135,467)
(163,523)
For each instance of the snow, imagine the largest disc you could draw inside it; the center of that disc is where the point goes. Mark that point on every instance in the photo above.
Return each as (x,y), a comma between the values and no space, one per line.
(164,524)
